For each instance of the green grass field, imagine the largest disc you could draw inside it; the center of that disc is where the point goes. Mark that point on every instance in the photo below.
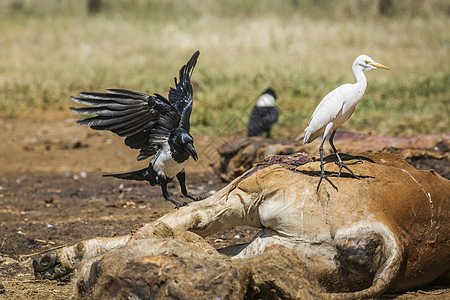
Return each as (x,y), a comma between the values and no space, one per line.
(50,50)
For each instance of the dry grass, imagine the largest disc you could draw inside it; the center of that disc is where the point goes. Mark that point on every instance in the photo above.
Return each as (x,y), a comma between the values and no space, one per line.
(302,49)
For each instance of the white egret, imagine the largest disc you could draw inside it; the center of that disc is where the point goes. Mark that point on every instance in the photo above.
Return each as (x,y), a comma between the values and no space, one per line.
(335,108)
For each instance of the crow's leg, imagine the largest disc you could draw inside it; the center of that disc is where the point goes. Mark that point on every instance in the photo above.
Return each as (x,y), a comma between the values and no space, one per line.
(340,163)
(322,170)
(182,179)
(163,182)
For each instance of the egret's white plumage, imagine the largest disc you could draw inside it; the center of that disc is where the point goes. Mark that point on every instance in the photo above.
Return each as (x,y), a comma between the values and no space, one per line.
(337,107)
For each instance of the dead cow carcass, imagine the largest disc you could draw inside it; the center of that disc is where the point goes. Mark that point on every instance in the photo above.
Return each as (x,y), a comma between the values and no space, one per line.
(389,230)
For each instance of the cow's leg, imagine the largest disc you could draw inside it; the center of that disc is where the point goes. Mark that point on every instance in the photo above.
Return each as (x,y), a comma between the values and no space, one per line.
(57,264)
(223,210)
(366,254)
(228,208)
(264,239)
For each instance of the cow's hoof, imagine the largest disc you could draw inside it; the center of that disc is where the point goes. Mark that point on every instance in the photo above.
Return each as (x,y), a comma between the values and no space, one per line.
(49,267)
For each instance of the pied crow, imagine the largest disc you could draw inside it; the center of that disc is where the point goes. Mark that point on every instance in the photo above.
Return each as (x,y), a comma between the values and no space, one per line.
(159,127)
(264,114)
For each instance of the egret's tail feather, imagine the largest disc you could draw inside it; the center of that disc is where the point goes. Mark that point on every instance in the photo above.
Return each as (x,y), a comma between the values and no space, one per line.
(307,135)
(311,134)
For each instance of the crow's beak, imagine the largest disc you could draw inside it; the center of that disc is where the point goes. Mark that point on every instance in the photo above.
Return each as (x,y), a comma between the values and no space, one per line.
(191,150)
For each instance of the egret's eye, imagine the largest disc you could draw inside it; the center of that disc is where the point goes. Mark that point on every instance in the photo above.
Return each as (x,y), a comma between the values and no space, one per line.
(367,62)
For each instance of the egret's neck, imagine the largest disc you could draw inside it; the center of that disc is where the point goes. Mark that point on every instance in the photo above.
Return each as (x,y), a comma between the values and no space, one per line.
(361,80)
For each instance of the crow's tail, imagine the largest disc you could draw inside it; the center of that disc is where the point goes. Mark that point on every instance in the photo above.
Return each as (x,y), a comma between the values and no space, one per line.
(135,175)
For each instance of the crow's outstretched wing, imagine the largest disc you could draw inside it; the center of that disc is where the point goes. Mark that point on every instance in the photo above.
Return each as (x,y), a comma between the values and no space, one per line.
(182,95)
(146,121)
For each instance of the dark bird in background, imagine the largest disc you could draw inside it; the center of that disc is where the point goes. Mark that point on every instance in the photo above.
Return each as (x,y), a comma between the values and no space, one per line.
(263,115)
(155,125)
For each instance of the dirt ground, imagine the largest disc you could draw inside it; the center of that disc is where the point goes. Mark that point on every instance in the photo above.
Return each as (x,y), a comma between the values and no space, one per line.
(52,194)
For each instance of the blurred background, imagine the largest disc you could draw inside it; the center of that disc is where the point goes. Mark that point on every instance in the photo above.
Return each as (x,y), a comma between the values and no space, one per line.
(52,49)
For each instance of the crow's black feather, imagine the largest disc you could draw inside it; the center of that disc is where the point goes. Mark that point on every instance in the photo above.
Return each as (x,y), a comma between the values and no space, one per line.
(153,124)
(146,121)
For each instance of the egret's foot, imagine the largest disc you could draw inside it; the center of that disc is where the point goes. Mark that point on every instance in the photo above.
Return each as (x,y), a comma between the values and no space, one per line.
(49,267)
(322,176)
(344,165)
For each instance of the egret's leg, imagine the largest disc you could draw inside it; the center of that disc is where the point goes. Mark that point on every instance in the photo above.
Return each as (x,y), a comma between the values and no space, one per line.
(340,163)
(322,170)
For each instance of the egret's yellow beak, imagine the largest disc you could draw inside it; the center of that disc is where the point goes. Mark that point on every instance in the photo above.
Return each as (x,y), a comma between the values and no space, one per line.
(379,66)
